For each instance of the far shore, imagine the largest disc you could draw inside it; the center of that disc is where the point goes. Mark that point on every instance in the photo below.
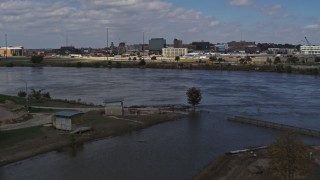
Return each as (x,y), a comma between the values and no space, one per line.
(257,64)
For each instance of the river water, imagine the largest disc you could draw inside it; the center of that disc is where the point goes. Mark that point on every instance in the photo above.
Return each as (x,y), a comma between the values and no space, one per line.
(174,150)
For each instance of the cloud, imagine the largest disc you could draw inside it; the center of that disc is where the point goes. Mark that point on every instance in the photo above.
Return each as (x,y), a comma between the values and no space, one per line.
(240,2)
(272,9)
(86,21)
(312,26)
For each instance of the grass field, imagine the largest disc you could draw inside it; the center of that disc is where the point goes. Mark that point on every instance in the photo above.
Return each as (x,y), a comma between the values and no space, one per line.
(13,137)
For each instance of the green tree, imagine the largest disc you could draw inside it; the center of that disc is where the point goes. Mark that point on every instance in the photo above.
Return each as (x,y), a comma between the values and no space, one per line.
(39,95)
(292,60)
(142,62)
(22,94)
(177,58)
(220,60)
(269,61)
(277,60)
(242,61)
(36,59)
(194,96)
(212,58)
(289,157)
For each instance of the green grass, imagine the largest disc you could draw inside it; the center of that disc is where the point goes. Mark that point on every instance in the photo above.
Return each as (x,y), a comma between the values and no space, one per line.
(17,100)
(12,137)
(46,103)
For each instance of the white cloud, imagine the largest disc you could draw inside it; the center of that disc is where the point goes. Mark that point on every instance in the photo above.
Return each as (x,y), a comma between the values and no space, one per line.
(272,9)
(312,26)
(240,2)
(87,20)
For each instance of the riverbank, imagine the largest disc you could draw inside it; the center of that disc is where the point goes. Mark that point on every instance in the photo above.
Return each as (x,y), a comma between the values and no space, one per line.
(24,143)
(249,165)
(309,69)
(35,135)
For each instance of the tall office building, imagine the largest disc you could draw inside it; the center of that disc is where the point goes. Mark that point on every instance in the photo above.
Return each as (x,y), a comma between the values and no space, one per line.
(177,43)
(156,44)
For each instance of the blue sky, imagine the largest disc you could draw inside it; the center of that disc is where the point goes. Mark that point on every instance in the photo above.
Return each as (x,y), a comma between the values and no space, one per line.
(47,23)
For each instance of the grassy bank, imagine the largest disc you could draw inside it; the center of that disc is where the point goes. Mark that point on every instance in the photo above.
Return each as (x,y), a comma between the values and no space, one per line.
(190,64)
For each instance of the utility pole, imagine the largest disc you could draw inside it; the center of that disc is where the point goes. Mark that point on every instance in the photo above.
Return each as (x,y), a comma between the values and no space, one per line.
(6,47)
(107,43)
(143,43)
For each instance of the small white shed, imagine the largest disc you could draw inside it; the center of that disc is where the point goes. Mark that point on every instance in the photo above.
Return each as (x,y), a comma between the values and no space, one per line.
(63,119)
(113,107)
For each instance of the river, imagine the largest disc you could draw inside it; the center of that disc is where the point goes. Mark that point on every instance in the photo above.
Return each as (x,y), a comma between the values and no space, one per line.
(174,150)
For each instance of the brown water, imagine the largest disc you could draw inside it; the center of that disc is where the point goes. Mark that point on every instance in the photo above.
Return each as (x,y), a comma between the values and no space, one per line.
(175,150)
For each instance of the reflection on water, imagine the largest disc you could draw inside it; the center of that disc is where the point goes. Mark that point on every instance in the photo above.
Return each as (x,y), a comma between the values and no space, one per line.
(174,150)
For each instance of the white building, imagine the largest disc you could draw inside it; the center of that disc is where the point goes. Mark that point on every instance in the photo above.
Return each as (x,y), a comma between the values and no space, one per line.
(113,107)
(65,120)
(173,52)
(221,47)
(12,51)
(310,50)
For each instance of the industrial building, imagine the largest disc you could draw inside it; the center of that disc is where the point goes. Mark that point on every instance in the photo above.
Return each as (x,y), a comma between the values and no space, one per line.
(310,50)
(173,52)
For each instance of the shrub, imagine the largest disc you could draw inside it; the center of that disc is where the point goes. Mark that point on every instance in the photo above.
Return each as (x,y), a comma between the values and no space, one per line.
(277,60)
(153,58)
(289,69)
(142,62)
(118,64)
(97,64)
(292,60)
(22,94)
(9,64)
(79,64)
(36,59)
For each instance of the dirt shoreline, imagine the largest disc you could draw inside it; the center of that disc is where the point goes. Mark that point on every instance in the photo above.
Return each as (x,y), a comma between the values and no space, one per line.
(249,165)
(42,145)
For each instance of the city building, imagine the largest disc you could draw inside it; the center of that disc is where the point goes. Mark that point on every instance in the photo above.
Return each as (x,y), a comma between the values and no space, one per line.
(122,47)
(242,46)
(69,50)
(177,43)
(156,44)
(310,50)
(12,51)
(201,46)
(221,47)
(173,52)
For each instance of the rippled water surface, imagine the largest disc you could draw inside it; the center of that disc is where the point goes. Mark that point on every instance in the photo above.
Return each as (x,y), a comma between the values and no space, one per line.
(174,150)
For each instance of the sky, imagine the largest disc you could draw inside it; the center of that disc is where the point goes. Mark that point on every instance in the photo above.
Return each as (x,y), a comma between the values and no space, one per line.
(90,23)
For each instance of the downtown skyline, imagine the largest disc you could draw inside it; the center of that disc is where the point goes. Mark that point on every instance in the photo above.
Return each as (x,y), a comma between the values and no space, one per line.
(50,23)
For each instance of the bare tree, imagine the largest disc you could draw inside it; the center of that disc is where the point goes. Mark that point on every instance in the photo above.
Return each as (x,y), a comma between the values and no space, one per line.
(289,157)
